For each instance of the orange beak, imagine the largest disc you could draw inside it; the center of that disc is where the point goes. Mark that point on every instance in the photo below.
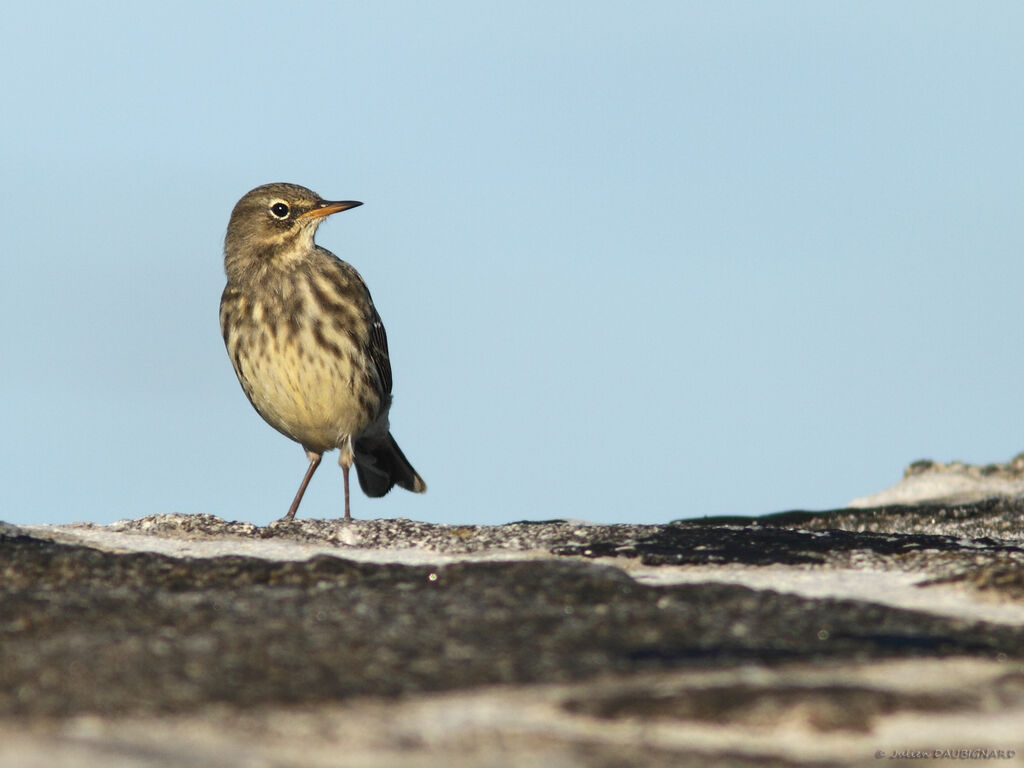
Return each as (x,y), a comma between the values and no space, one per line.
(327,208)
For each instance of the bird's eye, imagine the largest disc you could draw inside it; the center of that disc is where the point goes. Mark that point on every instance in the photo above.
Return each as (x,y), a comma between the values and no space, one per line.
(280,210)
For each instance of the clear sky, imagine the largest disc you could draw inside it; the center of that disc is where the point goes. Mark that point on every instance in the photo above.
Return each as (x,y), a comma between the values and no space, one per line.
(637,262)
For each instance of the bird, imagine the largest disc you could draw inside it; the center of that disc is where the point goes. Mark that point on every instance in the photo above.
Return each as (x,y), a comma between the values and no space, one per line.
(306,342)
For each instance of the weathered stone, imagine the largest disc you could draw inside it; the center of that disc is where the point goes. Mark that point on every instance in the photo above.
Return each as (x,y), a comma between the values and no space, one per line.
(554,643)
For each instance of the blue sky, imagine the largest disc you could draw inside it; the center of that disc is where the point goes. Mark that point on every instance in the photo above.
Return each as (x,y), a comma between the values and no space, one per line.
(636,264)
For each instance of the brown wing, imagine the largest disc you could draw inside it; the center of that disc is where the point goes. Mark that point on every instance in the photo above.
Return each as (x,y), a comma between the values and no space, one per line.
(349,282)
(379,349)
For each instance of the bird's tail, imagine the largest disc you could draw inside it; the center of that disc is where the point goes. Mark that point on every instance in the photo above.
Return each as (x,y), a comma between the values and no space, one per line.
(381,465)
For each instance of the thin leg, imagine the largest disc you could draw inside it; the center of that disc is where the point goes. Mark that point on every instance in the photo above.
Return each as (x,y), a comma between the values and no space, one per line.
(314,462)
(348,513)
(346,459)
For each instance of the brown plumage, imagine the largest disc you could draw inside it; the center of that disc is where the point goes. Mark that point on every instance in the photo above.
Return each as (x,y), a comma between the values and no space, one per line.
(306,342)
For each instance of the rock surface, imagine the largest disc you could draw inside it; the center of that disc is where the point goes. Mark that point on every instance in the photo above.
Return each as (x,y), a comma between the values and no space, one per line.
(952,483)
(793,639)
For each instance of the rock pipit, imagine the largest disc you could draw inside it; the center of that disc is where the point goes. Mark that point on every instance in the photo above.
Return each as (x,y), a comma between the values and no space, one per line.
(306,342)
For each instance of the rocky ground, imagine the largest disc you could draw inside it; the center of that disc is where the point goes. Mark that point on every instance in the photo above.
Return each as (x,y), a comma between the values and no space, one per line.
(829,638)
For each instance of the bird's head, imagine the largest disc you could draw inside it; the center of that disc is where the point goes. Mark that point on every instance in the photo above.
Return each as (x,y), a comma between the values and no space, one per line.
(276,221)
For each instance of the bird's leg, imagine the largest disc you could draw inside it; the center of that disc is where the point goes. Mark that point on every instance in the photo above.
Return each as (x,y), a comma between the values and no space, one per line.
(346,460)
(348,512)
(314,462)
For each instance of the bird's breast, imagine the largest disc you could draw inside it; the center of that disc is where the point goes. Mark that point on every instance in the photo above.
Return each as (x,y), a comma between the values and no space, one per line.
(302,362)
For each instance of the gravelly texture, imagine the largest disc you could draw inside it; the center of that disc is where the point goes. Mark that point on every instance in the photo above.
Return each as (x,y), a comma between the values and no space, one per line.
(994,518)
(94,633)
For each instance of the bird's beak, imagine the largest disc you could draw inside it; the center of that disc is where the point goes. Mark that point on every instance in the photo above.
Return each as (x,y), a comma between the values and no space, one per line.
(326,208)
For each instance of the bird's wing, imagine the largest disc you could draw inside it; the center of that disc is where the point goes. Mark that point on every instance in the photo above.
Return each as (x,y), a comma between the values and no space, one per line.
(379,348)
(350,282)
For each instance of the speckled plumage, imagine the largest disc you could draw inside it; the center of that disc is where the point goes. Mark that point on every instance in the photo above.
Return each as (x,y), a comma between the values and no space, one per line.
(305,340)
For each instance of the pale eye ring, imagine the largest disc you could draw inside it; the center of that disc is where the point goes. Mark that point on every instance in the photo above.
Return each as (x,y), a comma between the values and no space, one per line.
(280,210)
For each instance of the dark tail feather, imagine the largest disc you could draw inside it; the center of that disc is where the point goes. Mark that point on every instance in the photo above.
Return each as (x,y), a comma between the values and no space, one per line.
(381,465)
